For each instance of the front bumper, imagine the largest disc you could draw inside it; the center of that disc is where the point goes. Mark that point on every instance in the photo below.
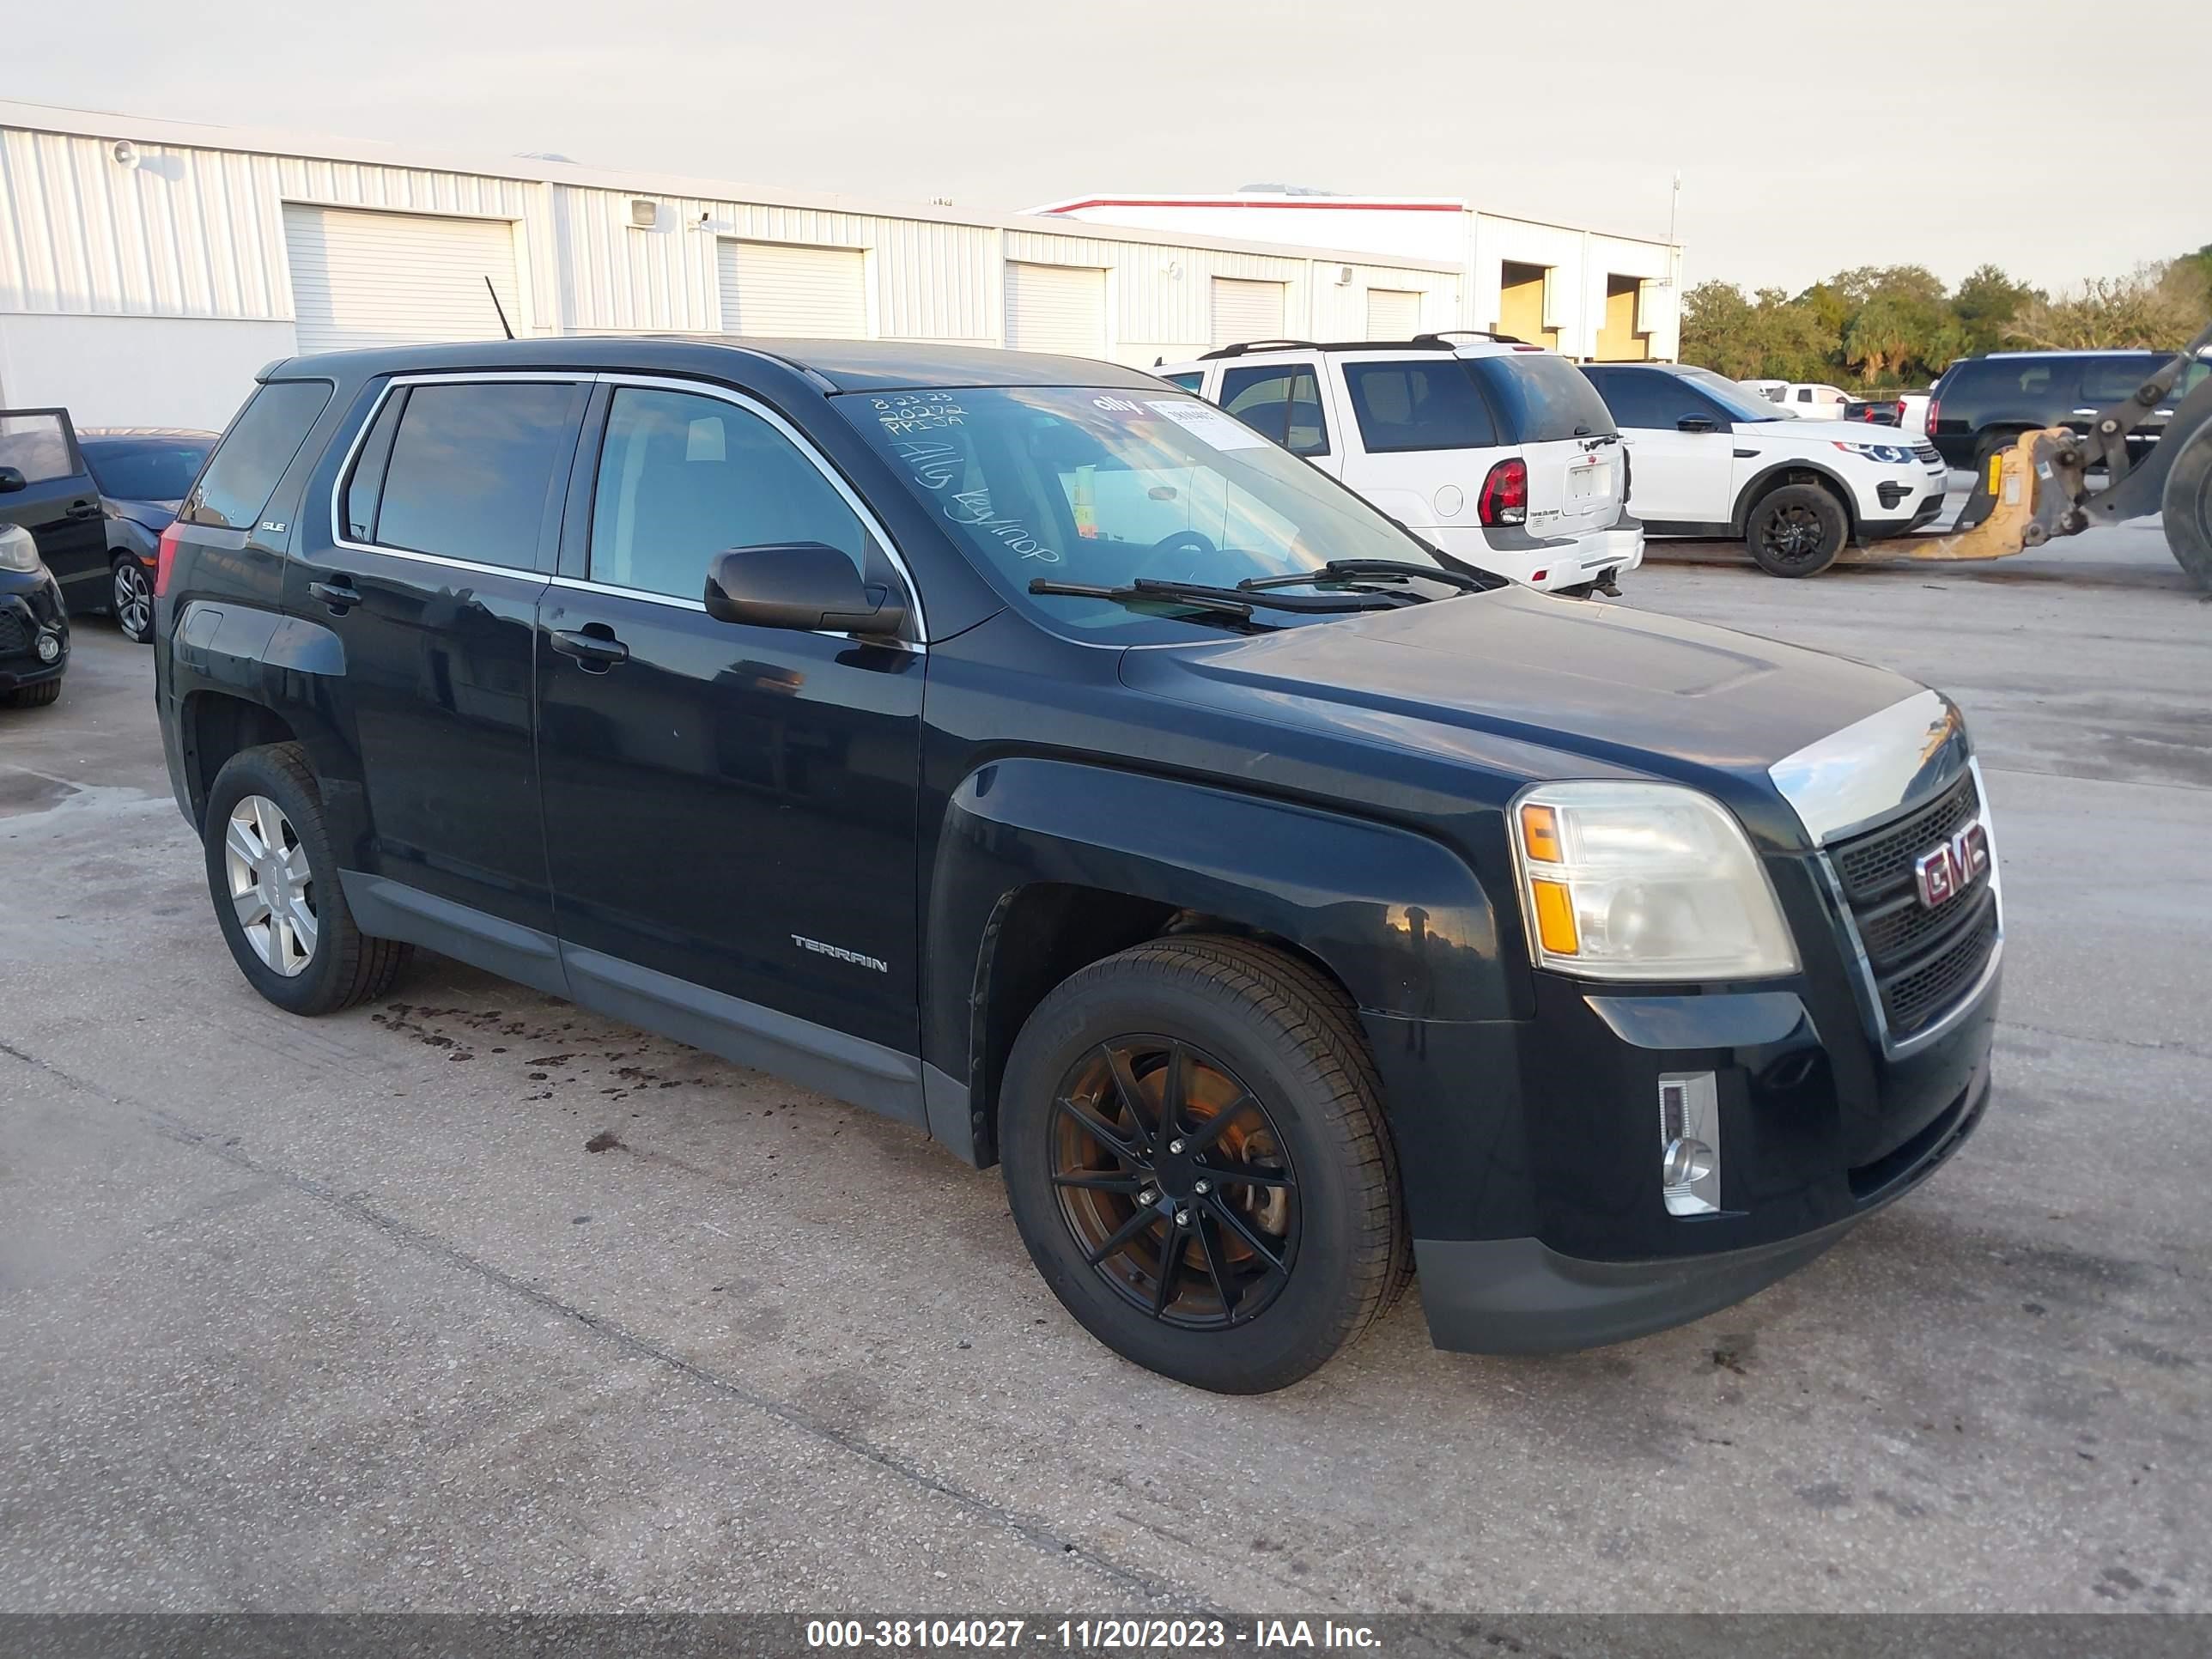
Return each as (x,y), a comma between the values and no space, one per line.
(1519,1296)
(26,610)
(1546,562)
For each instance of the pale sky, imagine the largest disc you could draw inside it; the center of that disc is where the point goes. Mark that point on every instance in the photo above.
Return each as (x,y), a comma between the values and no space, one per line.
(1810,134)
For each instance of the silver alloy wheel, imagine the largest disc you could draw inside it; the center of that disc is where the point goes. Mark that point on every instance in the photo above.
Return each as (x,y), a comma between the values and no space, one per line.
(134,600)
(270,886)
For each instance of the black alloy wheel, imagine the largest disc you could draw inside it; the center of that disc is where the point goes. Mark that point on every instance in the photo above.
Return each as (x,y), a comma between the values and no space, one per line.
(1797,531)
(1174,1182)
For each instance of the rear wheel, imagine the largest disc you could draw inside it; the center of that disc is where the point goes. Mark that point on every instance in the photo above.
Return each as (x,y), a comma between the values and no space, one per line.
(1195,1156)
(130,596)
(2186,506)
(1797,531)
(275,883)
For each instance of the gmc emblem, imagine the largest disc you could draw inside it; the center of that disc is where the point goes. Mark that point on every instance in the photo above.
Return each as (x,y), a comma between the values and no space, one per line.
(1952,868)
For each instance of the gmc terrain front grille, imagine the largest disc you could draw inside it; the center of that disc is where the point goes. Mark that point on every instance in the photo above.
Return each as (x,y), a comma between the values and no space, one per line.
(1923,958)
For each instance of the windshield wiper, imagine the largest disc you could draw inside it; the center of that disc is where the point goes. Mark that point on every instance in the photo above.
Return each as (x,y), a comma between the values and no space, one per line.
(1467,580)
(1237,601)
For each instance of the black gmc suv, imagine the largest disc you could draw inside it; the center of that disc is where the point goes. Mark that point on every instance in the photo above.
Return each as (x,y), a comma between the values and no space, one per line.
(1022,748)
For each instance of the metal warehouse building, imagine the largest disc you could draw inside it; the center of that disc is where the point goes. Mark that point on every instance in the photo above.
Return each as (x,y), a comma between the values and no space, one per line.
(147,268)
(1611,299)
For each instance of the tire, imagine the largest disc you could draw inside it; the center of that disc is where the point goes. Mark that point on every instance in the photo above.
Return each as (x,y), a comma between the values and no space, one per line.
(1278,1086)
(2186,507)
(35,697)
(320,972)
(1796,531)
(131,600)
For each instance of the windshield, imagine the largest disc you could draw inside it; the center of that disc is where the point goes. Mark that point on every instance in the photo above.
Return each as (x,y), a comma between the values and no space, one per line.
(1101,487)
(1742,405)
(144,469)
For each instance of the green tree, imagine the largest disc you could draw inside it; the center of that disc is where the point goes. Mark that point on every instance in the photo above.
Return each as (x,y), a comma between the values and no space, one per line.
(2155,307)
(1986,303)
(1719,330)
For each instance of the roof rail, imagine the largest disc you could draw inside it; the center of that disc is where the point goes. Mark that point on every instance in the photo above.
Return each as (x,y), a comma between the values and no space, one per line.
(1442,334)
(1438,341)
(1240,348)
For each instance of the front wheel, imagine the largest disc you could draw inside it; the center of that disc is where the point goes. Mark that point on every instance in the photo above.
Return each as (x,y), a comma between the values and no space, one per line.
(34,696)
(130,596)
(1196,1157)
(275,883)
(1797,531)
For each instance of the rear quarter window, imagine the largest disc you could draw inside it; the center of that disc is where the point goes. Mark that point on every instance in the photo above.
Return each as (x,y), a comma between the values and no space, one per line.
(1429,404)
(1541,398)
(243,472)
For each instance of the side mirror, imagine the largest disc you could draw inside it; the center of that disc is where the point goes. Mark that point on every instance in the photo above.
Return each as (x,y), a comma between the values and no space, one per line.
(1696,424)
(803,584)
(10,480)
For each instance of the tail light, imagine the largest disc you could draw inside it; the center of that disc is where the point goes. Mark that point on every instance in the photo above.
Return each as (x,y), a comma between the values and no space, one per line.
(1934,403)
(1505,498)
(1900,412)
(166,557)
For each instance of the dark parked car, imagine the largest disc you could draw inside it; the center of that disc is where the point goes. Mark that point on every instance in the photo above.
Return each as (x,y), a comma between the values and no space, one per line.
(97,501)
(141,474)
(33,627)
(1022,748)
(1981,404)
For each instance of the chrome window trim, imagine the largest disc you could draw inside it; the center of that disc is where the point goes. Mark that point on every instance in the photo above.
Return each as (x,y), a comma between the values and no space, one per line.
(1870,991)
(444,377)
(702,388)
(1852,780)
(805,445)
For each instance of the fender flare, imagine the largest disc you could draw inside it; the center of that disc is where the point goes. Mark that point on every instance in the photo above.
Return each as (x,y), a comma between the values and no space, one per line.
(1401,921)
(1756,484)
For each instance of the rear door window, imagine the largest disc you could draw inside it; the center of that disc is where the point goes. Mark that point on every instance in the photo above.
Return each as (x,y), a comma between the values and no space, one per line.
(1427,404)
(254,453)
(474,468)
(2108,380)
(1282,400)
(1542,398)
(1645,398)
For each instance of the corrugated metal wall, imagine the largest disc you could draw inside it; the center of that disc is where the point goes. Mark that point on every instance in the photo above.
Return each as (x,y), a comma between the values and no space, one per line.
(186,232)
(198,232)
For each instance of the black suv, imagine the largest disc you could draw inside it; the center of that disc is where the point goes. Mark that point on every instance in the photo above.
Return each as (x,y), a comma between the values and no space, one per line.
(1981,404)
(1022,748)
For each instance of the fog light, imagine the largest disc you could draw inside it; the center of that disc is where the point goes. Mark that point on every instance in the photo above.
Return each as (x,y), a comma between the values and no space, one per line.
(1690,1143)
(49,646)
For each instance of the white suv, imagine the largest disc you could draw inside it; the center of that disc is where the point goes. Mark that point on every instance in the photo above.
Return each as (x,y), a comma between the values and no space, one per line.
(1498,452)
(1715,460)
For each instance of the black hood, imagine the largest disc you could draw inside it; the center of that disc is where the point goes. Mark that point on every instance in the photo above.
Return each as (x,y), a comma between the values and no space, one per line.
(156,516)
(1629,688)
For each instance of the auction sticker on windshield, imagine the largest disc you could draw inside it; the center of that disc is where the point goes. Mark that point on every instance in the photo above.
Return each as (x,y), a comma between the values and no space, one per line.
(1202,421)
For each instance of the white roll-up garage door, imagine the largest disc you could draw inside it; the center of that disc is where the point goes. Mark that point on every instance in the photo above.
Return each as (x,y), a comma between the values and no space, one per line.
(1245,310)
(367,279)
(1393,314)
(808,293)
(1056,308)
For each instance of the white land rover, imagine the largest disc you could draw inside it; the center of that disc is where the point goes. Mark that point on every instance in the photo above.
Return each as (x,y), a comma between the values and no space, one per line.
(1714,460)
(1498,452)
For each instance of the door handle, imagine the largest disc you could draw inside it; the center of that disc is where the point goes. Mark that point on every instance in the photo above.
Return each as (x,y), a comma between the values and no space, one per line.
(84,509)
(338,593)
(598,650)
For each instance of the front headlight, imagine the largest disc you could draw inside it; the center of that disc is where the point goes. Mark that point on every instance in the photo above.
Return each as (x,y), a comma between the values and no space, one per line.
(1889,454)
(1644,881)
(17,550)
